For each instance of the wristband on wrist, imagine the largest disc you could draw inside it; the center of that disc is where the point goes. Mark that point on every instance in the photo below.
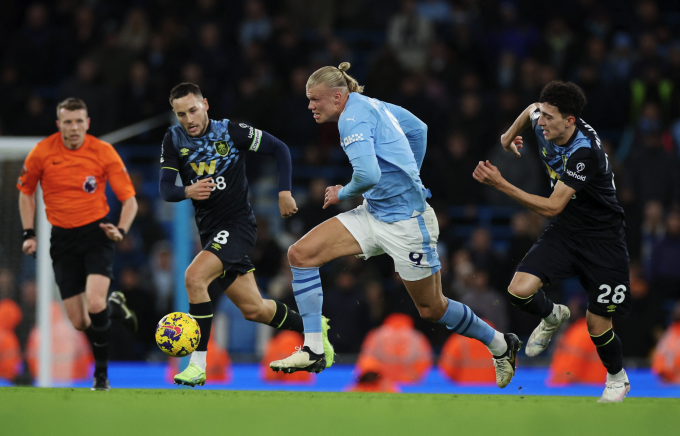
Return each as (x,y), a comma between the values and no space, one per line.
(29,233)
(122,232)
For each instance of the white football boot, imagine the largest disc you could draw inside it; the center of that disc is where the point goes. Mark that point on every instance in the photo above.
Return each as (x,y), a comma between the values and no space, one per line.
(540,337)
(302,360)
(616,388)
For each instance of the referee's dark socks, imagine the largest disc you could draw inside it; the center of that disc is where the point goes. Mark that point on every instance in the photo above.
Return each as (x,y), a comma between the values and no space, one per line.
(98,334)
(203,313)
(286,318)
(610,350)
(537,304)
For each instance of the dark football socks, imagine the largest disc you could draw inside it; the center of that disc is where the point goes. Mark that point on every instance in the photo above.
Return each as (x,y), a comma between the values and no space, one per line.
(98,334)
(610,350)
(286,319)
(537,304)
(203,314)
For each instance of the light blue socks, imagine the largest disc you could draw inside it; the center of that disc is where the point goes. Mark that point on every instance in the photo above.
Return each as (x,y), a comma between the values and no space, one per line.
(462,320)
(309,299)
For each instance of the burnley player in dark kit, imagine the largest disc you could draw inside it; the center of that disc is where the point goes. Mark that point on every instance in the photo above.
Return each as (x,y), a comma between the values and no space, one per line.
(209,156)
(586,237)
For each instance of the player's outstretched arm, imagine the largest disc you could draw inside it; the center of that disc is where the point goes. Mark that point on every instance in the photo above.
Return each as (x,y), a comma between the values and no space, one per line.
(548,207)
(510,140)
(365,176)
(273,146)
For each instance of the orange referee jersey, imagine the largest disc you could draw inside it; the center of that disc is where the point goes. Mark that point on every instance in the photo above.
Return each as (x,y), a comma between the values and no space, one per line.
(74,181)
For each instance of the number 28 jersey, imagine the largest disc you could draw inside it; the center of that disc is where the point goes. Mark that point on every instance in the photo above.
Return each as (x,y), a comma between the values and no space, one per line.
(219,154)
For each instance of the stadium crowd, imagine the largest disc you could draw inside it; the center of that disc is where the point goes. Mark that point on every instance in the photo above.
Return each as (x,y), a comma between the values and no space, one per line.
(466,67)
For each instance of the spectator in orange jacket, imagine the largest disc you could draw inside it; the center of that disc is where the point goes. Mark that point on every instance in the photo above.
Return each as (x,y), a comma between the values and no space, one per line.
(403,352)
(467,360)
(372,378)
(666,357)
(71,351)
(10,351)
(576,360)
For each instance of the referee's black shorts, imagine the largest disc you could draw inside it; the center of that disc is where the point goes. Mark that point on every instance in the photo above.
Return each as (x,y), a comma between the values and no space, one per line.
(601,265)
(231,241)
(79,252)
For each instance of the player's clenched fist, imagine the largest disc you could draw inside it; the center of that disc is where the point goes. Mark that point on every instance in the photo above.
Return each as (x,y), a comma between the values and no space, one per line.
(29,246)
(287,204)
(200,190)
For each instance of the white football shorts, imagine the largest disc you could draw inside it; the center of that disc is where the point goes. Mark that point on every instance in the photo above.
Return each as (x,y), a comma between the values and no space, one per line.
(411,243)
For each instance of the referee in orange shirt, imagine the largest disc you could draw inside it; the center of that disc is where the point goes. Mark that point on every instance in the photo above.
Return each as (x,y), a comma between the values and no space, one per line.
(72,168)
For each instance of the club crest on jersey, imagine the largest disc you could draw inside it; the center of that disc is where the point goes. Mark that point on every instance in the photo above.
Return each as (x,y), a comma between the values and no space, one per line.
(221,147)
(184,151)
(90,184)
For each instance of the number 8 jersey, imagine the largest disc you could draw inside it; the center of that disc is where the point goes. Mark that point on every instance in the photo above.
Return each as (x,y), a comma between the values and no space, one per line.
(219,154)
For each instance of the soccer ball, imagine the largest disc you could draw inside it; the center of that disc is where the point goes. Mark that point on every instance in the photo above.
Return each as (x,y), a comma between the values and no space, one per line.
(178,334)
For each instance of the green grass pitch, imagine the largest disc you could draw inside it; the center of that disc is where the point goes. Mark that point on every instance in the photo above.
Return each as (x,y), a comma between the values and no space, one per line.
(73,412)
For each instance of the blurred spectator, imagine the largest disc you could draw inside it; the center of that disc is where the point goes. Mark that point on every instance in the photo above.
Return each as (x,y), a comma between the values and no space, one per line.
(136,32)
(666,358)
(7,284)
(575,359)
(37,121)
(409,34)
(349,313)
(484,258)
(318,15)
(36,38)
(256,25)
(372,377)
(375,297)
(653,172)
(453,171)
(435,10)
(663,267)
(279,348)
(653,231)
(139,98)
(85,85)
(10,352)
(113,60)
(14,93)
(162,277)
(404,353)
(558,47)
(486,302)
(209,54)
(146,224)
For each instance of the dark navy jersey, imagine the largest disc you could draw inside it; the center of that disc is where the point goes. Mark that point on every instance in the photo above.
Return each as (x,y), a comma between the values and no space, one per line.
(582,165)
(219,154)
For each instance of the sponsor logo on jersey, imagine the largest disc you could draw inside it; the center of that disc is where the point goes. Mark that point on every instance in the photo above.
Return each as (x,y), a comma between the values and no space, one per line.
(352,119)
(221,147)
(256,135)
(184,151)
(347,140)
(244,125)
(202,167)
(580,167)
(216,246)
(580,177)
(90,184)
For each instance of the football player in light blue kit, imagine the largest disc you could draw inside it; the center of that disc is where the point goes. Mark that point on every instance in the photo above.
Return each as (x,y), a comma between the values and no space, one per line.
(386,146)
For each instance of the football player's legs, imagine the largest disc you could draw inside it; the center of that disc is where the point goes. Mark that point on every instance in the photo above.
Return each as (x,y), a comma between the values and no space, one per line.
(428,297)
(205,268)
(325,242)
(96,289)
(243,292)
(76,310)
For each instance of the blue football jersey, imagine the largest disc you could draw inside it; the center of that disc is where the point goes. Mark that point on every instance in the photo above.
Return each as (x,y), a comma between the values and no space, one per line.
(217,154)
(368,127)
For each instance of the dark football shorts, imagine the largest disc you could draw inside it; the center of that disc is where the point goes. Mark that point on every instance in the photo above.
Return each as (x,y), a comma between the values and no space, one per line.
(79,252)
(601,265)
(231,241)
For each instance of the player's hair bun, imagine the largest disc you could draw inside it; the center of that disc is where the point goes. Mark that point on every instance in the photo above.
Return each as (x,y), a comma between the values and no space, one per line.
(344,66)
